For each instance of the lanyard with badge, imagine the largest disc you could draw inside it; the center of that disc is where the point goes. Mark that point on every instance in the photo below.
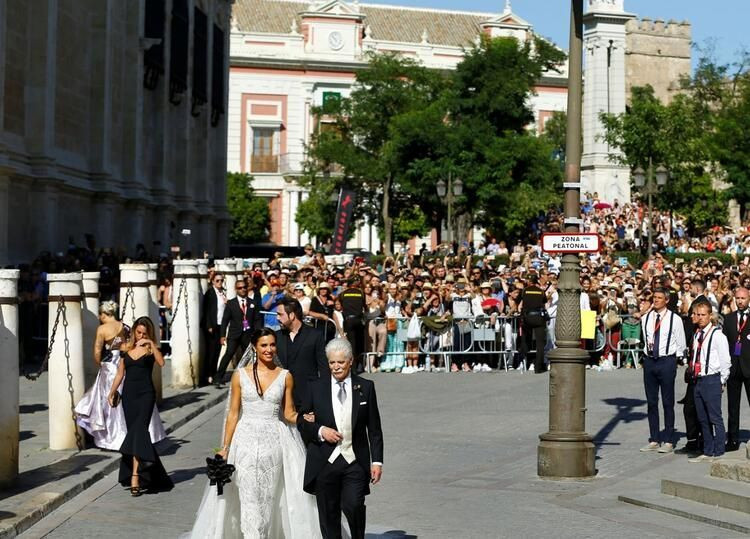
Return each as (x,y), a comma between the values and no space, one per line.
(245,323)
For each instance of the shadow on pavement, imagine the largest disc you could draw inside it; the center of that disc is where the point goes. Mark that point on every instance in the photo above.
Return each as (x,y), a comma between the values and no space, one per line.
(625,414)
(32,408)
(51,473)
(170,446)
(180,476)
(26,435)
(181,399)
(6,514)
(395,534)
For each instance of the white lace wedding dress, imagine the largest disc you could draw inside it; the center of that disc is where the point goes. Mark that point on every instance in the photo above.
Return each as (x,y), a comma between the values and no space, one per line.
(265,497)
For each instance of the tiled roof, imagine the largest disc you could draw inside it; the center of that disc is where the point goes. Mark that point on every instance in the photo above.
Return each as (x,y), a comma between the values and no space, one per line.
(450,28)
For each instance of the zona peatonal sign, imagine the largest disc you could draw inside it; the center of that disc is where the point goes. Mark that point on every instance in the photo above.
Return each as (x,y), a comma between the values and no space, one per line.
(570,243)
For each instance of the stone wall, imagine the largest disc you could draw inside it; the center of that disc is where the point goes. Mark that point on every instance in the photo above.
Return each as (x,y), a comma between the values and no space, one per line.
(87,148)
(657,53)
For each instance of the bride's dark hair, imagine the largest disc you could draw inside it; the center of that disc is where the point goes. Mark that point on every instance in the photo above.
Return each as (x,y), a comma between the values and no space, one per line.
(257,335)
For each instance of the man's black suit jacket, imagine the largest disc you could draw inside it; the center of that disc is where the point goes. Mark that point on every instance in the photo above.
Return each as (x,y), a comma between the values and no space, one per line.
(305,358)
(210,310)
(367,434)
(741,362)
(233,316)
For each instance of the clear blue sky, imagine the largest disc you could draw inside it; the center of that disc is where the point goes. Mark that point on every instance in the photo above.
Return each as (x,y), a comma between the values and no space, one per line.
(721,22)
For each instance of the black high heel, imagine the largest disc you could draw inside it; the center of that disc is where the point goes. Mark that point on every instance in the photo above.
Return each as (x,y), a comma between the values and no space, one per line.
(135,491)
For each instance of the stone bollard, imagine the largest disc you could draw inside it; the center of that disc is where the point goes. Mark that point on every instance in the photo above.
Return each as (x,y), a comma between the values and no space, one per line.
(228,268)
(185,338)
(9,423)
(153,314)
(90,320)
(65,372)
(134,294)
(203,272)
(240,271)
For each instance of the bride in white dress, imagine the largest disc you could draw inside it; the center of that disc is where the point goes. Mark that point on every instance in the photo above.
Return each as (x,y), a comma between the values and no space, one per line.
(265,497)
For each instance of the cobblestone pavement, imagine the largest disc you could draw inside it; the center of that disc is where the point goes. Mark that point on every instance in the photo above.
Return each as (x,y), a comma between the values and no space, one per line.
(460,462)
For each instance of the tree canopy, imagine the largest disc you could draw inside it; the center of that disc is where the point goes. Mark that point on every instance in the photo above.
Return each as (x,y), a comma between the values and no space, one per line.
(404,127)
(251,216)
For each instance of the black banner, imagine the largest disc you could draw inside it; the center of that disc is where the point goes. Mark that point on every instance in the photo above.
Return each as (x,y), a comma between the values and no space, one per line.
(343,220)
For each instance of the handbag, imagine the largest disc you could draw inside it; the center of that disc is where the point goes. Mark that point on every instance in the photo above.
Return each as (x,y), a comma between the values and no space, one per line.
(391,325)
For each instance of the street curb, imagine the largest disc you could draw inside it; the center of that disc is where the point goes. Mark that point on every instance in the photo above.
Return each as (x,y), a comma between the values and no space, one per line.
(43,504)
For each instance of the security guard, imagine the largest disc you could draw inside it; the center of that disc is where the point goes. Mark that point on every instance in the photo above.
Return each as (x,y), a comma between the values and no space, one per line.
(353,305)
(533,322)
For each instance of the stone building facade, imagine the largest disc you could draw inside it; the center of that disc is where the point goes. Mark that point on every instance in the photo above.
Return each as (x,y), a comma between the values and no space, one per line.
(289,56)
(113,124)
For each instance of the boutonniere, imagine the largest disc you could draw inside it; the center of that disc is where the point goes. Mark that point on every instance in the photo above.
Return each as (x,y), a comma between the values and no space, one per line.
(358,388)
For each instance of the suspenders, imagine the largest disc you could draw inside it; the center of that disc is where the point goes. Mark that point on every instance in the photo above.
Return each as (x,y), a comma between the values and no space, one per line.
(655,353)
(708,350)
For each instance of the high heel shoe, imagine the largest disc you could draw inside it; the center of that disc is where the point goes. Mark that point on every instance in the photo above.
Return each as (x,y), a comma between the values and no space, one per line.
(135,491)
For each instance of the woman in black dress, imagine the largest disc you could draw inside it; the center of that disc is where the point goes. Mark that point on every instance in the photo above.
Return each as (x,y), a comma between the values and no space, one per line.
(140,467)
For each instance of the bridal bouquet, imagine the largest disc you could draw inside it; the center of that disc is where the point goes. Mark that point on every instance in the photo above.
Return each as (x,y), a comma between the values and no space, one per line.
(219,472)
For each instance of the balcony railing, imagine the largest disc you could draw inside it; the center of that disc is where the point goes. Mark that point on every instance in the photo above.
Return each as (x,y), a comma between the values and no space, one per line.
(293,163)
(264,163)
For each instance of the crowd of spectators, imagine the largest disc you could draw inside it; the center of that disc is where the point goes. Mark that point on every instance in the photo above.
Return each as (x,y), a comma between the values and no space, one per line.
(452,286)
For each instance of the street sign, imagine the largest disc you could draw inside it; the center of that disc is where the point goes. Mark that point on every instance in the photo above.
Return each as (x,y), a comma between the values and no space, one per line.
(570,243)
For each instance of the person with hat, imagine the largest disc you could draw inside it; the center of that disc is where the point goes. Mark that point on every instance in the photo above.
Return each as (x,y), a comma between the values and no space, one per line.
(353,310)
(298,293)
(321,309)
(534,323)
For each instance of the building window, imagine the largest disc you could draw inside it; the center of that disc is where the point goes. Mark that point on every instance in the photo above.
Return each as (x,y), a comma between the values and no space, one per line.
(178,55)
(153,56)
(218,73)
(265,155)
(200,60)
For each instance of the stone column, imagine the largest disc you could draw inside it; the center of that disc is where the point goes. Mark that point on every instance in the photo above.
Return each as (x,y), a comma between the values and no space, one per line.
(134,294)
(65,372)
(185,338)
(228,268)
(240,272)
(9,424)
(203,272)
(153,314)
(90,321)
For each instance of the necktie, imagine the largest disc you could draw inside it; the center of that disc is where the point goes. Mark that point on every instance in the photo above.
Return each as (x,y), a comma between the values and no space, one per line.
(657,327)
(342,392)
(697,360)
(242,305)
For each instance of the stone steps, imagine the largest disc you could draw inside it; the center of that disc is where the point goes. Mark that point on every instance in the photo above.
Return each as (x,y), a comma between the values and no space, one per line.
(715,516)
(721,499)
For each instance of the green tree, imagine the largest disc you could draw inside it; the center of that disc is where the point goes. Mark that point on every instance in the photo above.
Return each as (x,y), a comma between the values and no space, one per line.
(673,136)
(555,133)
(356,149)
(251,216)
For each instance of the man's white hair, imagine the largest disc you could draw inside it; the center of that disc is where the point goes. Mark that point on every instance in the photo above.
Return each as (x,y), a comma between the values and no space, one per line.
(339,345)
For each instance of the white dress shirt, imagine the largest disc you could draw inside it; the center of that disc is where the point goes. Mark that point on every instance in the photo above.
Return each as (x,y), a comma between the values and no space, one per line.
(668,345)
(718,358)
(343,415)
(220,305)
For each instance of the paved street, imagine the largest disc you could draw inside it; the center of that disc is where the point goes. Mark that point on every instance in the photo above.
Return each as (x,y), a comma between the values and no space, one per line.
(460,462)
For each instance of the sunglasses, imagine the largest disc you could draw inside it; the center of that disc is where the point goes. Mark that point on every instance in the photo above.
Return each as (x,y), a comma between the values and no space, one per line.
(240,287)
(218,280)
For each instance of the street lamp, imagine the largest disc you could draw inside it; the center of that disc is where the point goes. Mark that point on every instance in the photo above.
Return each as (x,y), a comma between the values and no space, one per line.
(566,450)
(645,181)
(447,192)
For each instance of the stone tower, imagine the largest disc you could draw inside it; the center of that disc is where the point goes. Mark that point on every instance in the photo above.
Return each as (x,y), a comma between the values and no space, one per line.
(657,53)
(604,39)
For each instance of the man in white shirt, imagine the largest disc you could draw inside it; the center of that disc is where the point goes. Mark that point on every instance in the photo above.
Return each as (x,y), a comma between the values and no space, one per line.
(710,364)
(665,342)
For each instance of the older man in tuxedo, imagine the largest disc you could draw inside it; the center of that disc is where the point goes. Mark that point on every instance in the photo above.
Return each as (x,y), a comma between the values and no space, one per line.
(344,443)
(737,330)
